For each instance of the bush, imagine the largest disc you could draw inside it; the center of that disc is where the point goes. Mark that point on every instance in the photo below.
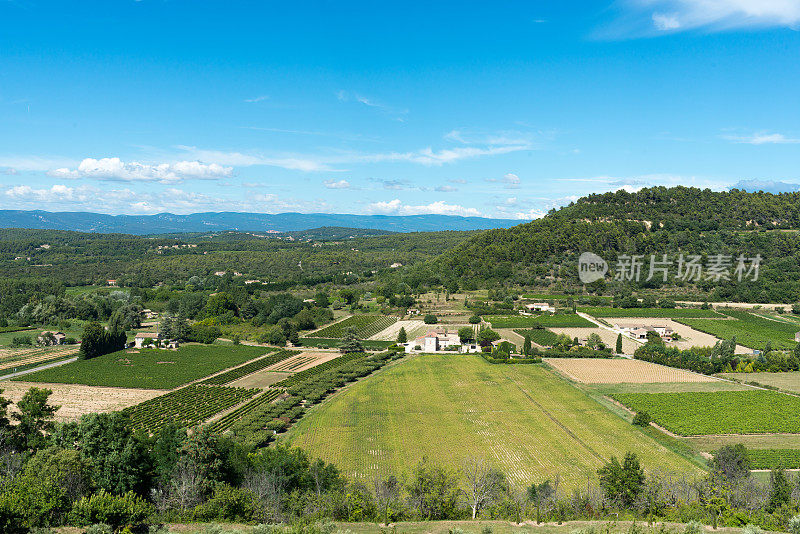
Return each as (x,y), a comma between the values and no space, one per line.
(21,341)
(227,503)
(430,319)
(100,528)
(642,418)
(114,510)
(794,525)
(204,333)
(693,527)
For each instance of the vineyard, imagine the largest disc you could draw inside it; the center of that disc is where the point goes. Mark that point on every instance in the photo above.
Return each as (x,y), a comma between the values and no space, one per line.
(383,424)
(249,368)
(149,368)
(774,458)
(318,369)
(225,422)
(330,343)
(540,336)
(719,412)
(365,326)
(661,313)
(750,330)
(186,407)
(566,320)
(623,371)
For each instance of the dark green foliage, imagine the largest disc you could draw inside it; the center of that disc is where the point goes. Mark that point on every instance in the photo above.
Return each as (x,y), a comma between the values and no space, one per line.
(624,482)
(430,319)
(619,344)
(97,341)
(113,510)
(732,461)
(350,343)
(642,419)
(402,337)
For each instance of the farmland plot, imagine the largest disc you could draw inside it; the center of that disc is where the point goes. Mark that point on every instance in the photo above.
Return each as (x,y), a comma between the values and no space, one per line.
(789,381)
(11,359)
(414,328)
(689,336)
(77,400)
(616,371)
(149,368)
(608,337)
(664,313)
(365,326)
(750,330)
(524,419)
(528,321)
(721,412)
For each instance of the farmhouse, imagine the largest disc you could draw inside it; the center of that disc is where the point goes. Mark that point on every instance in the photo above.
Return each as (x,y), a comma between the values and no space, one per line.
(540,307)
(149,314)
(51,338)
(140,337)
(638,331)
(434,341)
(112,283)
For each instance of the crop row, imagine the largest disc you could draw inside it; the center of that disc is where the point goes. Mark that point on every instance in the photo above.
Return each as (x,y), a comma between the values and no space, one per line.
(186,407)
(750,330)
(365,326)
(225,422)
(302,376)
(249,368)
(719,412)
(261,422)
(774,458)
(566,320)
(540,336)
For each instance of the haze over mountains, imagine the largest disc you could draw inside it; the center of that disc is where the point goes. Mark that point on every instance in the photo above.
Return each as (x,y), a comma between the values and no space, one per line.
(163,223)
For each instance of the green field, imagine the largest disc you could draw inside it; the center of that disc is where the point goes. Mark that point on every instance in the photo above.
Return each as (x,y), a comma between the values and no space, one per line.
(662,313)
(789,381)
(774,458)
(540,336)
(721,412)
(750,330)
(567,320)
(526,420)
(150,368)
(365,326)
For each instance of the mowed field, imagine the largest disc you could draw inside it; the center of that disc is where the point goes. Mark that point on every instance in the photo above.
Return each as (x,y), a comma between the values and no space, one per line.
(786,381)
(615,371)
(75,400)
(523,418)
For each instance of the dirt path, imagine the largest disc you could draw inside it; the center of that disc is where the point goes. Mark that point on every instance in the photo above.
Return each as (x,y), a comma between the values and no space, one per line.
(47,366)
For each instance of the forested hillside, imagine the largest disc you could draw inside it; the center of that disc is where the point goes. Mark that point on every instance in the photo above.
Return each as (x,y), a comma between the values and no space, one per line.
(652,221)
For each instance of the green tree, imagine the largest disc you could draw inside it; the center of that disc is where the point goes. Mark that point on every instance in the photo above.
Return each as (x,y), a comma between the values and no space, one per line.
(619,344)
(433,491)
(402,337)
(732,461)
(34,419)
(466,334)
(475,319)
(487,336)
(780,493)
(430,319)
(350,342)
(622,482)
(526,345)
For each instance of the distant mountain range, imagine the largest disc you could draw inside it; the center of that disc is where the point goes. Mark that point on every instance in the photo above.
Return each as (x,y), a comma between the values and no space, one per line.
(247,222)
(767,186)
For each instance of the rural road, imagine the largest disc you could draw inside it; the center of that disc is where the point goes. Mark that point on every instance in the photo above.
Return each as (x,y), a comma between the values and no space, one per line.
(34,369)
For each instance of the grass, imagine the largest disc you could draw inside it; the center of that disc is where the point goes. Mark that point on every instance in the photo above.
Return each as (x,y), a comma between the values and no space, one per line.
(789,381)
(567,320)
(148,369)
(750,330)
(720,412)
(527,421)
(663,313)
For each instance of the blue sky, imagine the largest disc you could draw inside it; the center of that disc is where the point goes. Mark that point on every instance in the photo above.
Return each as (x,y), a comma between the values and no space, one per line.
(499,109)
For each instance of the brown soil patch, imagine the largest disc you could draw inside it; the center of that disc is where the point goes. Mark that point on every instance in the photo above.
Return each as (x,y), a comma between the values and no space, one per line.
(622,371)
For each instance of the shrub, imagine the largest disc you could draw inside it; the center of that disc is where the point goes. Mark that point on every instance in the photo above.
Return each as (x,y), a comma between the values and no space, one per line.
(642,418)
(227,503)
(114,510)
(693,527)
(794,525)
(21,341)
(751,529)
(100,528)
(430,319)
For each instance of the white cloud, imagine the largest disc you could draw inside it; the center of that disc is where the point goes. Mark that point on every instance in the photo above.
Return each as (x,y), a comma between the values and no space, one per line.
(763,138)
(509,181)
(446,189)
(676,15)
(397,114)
(429,157)
(436,208)
(664,22)
(341,184)
(116,169)
(10,171)
(255,99)
(34,163)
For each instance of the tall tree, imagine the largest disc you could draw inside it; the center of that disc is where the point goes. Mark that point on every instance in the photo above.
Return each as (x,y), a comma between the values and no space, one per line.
(34,419)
